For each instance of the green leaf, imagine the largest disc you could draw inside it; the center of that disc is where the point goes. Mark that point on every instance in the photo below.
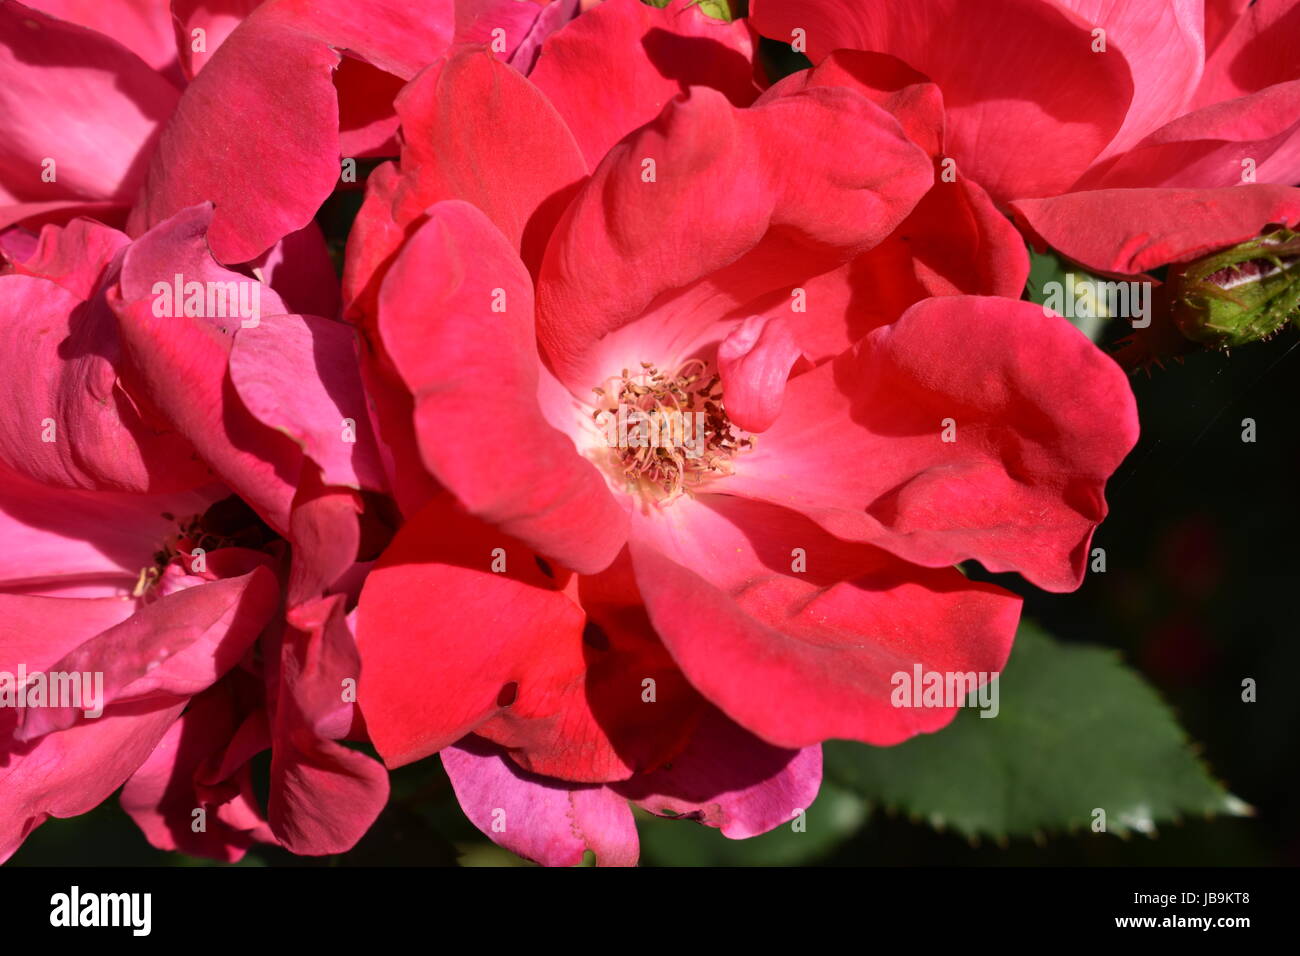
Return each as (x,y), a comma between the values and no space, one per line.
(1045,267)
(1076,730)
(835,815)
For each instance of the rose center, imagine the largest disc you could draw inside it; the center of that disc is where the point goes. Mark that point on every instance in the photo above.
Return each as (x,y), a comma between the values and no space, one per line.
(227,523)
(666,433)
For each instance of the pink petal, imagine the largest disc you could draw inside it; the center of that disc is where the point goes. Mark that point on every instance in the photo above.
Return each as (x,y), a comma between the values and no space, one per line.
(216,18)
(92,543)
(538,818)
(69,773)
(37,631)
(325,535)
(268,89)
(142,26)
(446,158)
(555,14)
(887,81)
(280,62)
(330,660)
(1220,17)
(1258,51)
(1040,419)
(1131,231)
(717,577)
(476,21)
(955,242)
(393,417)
(1217,145)
(36,214)
(300,375)
(300,270)
(367,122)
(1163,44)
(75,256)
(373,240)
(754,361)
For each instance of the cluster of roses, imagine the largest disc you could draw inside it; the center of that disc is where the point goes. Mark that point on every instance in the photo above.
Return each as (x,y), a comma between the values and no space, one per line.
(380,513)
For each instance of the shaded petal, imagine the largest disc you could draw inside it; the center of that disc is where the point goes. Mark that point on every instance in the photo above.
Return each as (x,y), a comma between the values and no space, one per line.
(85,543)
(142,26)
(324,796)
(519,661)
(216,18)
(729,779)
(65,419)
(172,648)
(75,256)
(1163,43)
(37,631)
(446,157)
(740,203)
(373,240)
(1027,98)
(478,20)
(69,773)
(614,68)
(49,71)
(325,534)
(887,81)
(554,15)
(1257,52)
(178,363)
(300,270)
(1220,17)
(955,242)
(171,784)
(456,315)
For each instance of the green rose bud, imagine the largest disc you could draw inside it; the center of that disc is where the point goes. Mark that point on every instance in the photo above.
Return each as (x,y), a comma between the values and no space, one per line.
(1241,295)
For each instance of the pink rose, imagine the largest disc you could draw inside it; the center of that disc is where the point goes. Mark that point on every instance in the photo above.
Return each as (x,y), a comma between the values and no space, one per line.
(772,263)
